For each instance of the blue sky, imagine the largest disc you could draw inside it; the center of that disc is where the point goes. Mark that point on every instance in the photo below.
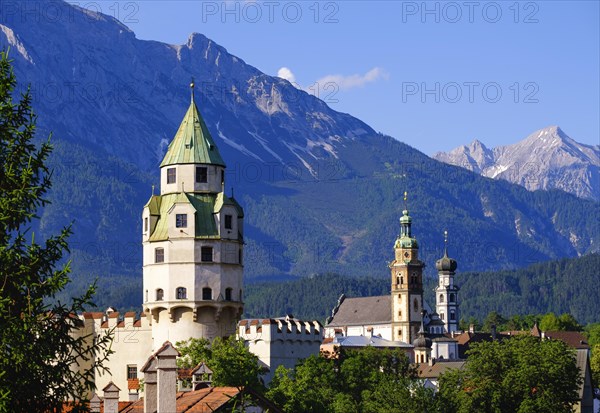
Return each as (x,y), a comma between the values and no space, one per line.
(432,74)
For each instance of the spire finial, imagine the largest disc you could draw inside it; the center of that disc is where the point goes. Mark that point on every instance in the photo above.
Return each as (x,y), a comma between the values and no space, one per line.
(445,243)
(192,85)
(406,200)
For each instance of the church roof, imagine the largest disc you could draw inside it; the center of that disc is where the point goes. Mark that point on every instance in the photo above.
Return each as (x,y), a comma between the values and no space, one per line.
(363,310)
(192,142)
(365,341)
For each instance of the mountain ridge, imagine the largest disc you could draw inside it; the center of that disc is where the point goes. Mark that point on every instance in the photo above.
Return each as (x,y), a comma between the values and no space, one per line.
(546,159)
(322,190)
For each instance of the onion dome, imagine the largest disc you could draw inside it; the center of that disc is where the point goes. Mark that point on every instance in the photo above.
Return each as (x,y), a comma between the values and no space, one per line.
(446,263)
(421,341)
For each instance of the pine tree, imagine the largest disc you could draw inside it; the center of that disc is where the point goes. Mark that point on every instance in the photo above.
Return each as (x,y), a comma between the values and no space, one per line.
(40,353)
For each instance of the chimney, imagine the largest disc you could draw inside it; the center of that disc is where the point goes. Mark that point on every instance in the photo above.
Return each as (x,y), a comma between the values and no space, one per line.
(111,398)
(493,328)
(149,371)
(166,378)
(95,404)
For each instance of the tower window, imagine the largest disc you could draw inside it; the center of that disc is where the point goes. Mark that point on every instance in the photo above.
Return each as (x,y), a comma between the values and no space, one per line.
(442,316)
(222,177)
(228,294)
(160,294)
(181,221)
(452,297)
(145,224)
(159,255)
(416,304)
(228,222)
(206,254)
(201,174)
(131,372)
(206,293)
(240,295)
(441,300)
(171,175)
(452,315)
(181,293)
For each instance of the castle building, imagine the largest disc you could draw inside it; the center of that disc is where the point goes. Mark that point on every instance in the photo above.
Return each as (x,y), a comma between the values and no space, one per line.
(192,237)
(192,242)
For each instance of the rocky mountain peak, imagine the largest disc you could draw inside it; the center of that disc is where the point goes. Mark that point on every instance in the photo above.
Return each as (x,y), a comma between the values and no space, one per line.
(546,159)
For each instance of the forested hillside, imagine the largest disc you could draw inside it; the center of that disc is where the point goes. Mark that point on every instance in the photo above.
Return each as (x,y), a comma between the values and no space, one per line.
(563,286)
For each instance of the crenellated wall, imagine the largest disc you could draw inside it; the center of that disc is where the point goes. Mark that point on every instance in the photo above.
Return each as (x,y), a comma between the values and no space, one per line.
(281,341)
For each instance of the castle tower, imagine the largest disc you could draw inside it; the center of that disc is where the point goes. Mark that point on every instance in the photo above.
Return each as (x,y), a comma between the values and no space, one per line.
(446,292)
(192,242)
(407,284)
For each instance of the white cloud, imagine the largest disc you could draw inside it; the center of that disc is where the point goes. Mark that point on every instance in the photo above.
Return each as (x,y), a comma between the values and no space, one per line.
(353,81)
(286,73)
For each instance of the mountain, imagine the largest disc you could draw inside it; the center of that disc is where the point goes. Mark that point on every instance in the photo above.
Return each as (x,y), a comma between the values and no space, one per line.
(546,159)
(321,189)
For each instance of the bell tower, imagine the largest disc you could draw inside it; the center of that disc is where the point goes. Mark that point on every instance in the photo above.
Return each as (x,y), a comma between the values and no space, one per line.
(192,241)
(407,283)
(446,292)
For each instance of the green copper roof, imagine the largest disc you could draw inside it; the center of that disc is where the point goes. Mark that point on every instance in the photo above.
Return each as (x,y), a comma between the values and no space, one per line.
(223,199)
(193,142)
(203,204)
(406,240)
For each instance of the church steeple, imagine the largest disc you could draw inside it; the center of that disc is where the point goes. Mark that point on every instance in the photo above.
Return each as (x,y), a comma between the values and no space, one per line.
(446,291)
(407,282)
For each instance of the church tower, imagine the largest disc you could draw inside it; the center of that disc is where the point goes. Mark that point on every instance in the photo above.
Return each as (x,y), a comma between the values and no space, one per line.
(407,284)
(192,242)
(446,292)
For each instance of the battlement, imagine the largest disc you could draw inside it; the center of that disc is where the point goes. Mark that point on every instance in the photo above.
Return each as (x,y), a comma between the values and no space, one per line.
(280,329)
(113,319)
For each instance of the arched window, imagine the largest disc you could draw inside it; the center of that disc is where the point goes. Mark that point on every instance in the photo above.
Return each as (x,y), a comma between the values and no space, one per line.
(397,280)
(452,297)
(441,300)
(452,315)
(401,280)
(228,294)
(416,305)
(442,316)
(181,293)
(160,294)
(206,293)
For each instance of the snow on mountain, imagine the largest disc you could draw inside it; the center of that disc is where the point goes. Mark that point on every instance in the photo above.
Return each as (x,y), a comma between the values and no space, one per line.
(546,159)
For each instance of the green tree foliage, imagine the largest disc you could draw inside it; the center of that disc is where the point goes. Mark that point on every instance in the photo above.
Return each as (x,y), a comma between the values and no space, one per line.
(563,286)
(595,365)
(229,359)
(564,322)
(368,380)
(519,375)
(40,354)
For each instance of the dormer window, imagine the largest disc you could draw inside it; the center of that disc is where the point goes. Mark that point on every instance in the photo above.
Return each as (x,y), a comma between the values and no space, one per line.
(171,175)
(228,222)
(181,220)
(201,174)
